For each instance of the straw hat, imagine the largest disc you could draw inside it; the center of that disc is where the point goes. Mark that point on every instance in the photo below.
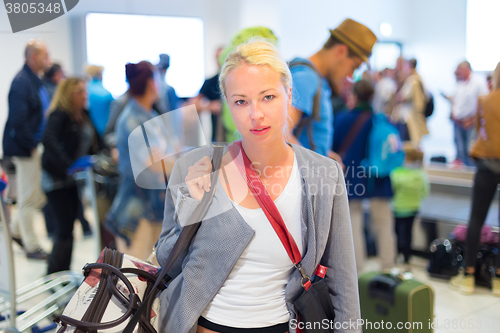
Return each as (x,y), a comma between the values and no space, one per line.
(357,37)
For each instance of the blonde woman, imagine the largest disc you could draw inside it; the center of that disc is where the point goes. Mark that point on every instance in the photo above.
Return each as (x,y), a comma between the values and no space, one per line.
(236,275)
(68,136)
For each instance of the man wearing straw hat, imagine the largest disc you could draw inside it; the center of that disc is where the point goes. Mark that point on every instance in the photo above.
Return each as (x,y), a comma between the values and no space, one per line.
(349,45)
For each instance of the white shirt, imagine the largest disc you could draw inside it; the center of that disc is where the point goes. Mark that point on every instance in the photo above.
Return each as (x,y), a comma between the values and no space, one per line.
(383,92)
(254,293)
(466,95)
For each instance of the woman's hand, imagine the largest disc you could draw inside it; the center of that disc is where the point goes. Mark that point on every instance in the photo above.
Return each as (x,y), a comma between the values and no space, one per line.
(198,178)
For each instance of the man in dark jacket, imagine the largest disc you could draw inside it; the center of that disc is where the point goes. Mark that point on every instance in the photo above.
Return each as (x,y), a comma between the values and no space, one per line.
(28,100)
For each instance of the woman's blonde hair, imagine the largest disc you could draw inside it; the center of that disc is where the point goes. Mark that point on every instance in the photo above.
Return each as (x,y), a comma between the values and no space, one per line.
(496,78)
(257,51)
(62,99)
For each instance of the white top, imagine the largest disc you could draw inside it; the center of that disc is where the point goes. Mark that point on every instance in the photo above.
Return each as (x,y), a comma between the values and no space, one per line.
(383,92)
(466,95)
(254,293)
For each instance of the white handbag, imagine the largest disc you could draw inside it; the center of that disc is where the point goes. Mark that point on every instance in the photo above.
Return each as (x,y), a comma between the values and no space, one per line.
(104,301)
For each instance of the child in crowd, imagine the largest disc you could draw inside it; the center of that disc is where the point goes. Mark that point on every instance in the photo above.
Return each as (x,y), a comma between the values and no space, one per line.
(410,186)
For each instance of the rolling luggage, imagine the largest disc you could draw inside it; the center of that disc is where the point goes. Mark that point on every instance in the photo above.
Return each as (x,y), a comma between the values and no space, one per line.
(395,304)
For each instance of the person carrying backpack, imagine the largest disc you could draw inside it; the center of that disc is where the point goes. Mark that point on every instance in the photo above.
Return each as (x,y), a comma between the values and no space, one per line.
(311,115)
(352,133)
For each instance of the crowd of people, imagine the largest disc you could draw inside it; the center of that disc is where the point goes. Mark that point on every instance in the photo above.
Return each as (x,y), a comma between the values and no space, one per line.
(282,115)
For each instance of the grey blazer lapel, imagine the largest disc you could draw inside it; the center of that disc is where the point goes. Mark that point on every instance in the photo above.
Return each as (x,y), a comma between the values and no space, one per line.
(308,206)
(293,288)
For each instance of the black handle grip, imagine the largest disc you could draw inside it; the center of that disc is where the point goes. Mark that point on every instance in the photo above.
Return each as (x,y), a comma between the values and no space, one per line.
(383,287)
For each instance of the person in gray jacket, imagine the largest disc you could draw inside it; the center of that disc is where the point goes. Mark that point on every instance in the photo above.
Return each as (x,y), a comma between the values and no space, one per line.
(236,275)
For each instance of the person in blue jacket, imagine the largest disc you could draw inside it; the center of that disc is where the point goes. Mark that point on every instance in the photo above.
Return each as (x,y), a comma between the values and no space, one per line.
(99,99)
(28,100)
(351,131)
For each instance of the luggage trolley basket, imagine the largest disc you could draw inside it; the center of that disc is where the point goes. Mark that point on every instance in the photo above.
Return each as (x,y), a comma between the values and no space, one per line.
(59,287)
(99,184)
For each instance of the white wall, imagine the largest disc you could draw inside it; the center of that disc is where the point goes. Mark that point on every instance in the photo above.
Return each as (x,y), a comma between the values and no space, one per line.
(305,28)
(437,41)
(65,36)
(432,31)
(302,28)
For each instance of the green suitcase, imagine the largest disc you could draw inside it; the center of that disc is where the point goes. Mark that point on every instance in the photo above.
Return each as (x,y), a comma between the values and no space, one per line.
(395,304)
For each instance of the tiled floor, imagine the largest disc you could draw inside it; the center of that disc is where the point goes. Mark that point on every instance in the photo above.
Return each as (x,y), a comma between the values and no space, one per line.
(28,270)
(454,313)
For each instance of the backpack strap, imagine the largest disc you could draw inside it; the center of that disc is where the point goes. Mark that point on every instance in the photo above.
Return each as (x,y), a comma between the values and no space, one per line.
(305,122)
(353,132)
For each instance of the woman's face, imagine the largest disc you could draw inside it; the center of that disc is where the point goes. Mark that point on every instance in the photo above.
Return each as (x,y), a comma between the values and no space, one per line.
(258,102)
(80,96)
(58,76)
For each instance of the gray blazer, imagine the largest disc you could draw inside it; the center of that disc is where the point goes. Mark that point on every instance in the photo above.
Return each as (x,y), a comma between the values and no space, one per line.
(201,271)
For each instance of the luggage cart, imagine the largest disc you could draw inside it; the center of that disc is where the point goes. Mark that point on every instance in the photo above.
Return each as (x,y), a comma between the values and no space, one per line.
(101,197)
(59,286)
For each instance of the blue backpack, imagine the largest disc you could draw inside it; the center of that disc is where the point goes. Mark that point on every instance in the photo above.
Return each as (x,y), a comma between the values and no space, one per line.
(384,147)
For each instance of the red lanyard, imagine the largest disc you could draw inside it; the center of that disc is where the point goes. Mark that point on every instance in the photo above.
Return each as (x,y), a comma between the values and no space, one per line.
(265,202)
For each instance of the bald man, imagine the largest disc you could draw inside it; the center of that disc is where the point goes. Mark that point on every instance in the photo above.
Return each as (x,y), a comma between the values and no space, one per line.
(28,100)
(469,88)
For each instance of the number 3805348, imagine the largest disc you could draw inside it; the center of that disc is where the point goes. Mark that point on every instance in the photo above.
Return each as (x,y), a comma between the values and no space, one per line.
(32,8)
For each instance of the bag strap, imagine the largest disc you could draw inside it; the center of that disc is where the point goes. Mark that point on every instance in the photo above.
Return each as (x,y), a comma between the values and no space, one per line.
(306,121)
(353,132)
(317,96)
(187,233)
(270,210)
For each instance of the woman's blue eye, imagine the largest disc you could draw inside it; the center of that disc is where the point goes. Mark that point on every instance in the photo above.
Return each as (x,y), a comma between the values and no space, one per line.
(240,102)
(268,97)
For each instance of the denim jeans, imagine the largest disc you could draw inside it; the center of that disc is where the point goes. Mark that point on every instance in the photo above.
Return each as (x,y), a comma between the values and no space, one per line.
(463,138)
